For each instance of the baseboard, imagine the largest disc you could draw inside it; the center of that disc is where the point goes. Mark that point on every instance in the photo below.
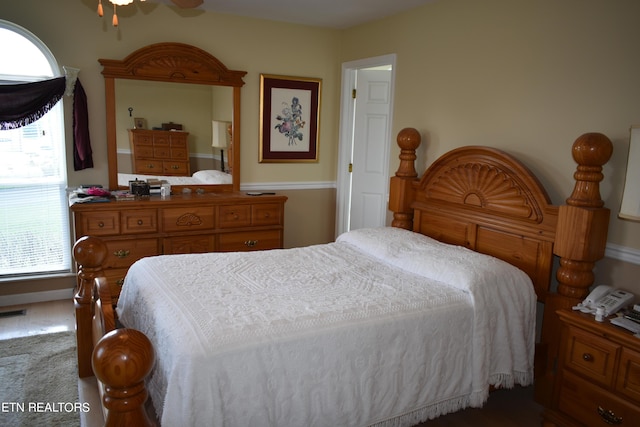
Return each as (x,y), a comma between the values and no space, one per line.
(623,253)
(280,186)
(33,297)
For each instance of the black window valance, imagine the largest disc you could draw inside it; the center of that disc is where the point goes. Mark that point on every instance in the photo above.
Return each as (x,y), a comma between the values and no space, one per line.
(24,103)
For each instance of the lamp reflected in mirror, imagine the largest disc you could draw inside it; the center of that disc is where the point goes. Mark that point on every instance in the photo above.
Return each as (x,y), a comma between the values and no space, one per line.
(220,138)
(630,207)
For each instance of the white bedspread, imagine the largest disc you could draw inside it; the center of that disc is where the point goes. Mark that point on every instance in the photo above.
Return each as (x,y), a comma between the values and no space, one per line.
(383,323)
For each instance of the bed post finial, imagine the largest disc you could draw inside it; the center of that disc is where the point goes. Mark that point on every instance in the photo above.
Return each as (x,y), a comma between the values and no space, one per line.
(591,151)
(401,190)
(583,222)
(89,253)
(122,360)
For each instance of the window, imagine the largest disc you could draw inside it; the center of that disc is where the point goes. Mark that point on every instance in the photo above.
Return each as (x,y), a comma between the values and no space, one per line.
(34,221)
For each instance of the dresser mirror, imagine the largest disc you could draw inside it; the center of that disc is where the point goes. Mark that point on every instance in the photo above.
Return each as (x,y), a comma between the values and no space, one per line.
(173,85)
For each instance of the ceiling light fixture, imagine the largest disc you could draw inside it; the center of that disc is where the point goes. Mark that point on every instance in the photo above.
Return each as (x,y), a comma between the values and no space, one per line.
(182,4)
(115,3)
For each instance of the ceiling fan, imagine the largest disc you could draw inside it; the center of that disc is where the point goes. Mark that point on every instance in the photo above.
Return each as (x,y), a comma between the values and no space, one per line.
(183,4)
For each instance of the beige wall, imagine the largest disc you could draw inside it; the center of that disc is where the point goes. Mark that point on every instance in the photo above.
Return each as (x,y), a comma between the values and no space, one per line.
(528,76)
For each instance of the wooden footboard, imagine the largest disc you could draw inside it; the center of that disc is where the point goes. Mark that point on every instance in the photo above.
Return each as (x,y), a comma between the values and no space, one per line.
(120,358)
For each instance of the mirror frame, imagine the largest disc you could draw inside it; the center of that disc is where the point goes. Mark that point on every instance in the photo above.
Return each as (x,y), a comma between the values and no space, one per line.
(176,63)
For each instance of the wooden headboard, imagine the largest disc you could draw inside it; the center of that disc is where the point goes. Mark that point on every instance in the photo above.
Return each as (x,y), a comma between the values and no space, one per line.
(487,200)
(484,199)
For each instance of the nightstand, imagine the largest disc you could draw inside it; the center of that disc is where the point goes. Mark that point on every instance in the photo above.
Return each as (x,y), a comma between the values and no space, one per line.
(598,377)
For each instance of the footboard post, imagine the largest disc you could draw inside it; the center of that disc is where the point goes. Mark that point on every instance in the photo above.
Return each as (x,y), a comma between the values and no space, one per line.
(122,359)
(89,253)
(401,190)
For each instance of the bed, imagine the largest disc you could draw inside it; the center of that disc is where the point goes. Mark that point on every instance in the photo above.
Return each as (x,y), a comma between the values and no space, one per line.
(198,178)
(388,326)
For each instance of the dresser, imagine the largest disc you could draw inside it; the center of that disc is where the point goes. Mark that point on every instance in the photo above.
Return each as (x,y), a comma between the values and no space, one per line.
(598,378)
(159,152)
(179,224)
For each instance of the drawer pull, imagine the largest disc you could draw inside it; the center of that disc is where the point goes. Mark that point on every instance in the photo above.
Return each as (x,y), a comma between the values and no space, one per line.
(140,222)
(250,243)
(101,224)
(120,282)
(175,167)
(609,417)
(587,357)
(122,253)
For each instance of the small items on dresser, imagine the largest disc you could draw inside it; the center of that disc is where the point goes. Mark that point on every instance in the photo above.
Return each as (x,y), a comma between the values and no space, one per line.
(88,194)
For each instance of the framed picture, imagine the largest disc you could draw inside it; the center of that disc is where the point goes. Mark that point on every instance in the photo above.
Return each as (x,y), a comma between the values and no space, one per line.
(289,118)
(139,123)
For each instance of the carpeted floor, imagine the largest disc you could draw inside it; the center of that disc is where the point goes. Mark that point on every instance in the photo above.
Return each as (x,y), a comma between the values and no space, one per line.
(39,381)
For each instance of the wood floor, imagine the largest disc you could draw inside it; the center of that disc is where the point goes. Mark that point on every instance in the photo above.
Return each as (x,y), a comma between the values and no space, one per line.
(506,408)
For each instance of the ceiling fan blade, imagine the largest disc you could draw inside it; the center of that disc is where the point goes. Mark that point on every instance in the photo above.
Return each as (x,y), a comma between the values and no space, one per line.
(187,4)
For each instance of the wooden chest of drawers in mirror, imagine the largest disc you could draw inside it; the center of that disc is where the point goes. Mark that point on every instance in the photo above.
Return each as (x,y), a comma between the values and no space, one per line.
(598,378)
(180,224)
(159,152)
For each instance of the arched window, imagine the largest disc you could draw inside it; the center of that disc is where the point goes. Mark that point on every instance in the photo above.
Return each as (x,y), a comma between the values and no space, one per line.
(34,218)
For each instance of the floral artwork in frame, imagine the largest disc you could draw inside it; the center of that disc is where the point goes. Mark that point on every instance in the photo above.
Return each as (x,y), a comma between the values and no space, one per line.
(289,118)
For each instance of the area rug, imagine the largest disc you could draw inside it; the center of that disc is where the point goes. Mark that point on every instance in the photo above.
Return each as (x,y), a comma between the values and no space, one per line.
(39,381)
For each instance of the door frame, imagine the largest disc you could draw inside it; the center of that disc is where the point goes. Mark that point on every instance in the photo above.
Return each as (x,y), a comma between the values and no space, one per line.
(345,144)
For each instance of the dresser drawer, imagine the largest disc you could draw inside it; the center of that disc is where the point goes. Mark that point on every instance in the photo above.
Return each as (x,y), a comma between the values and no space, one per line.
(179,153)
(266,214)
(139,221)
(232,216)
(98,223)
(188,244)
(142,139)
(160,139)
(162,151)
(143,151)
(175,168)
(591,355)
(188,219)
(628,383)
(593,406)
(123,253)
(250,241)
(151,167)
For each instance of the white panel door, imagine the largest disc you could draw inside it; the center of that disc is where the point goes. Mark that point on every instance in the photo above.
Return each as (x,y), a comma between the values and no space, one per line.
(371,149)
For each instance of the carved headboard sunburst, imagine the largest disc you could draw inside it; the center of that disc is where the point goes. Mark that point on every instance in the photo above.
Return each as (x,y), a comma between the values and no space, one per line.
(479,176)
(485,199)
